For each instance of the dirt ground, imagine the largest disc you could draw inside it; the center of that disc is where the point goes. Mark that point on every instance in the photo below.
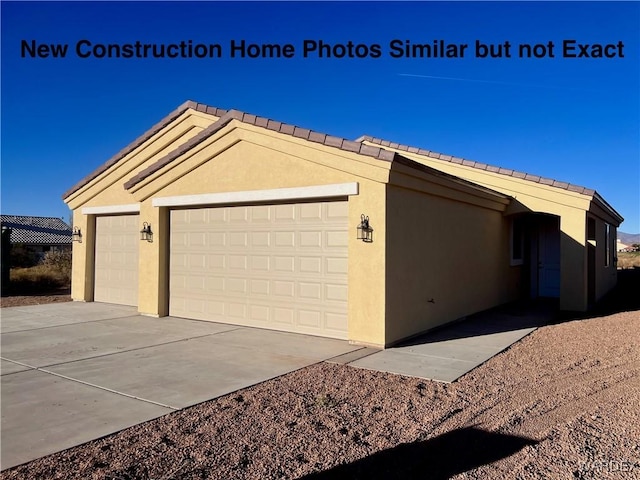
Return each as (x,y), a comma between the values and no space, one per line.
(21,300)
(61,295)
(562,403)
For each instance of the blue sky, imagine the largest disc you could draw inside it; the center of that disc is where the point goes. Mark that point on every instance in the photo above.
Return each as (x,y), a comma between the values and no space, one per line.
(572,119)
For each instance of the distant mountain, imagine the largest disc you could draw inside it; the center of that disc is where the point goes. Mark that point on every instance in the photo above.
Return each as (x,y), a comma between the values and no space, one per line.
(629,238)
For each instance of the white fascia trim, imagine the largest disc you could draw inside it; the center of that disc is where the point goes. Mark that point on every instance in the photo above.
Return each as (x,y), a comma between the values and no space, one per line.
(249,196)
(129,208)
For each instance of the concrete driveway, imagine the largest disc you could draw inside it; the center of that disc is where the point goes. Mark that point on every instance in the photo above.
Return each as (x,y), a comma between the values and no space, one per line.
(74,372)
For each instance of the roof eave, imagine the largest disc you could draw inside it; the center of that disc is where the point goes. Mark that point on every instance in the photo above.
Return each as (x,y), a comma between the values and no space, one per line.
(451,178)
(189,104)
(269,124)
(479,166)
(602,203)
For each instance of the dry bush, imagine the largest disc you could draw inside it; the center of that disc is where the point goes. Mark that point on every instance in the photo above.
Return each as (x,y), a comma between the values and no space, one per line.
(59,262)
(628,260)
(54,272)
(40,278)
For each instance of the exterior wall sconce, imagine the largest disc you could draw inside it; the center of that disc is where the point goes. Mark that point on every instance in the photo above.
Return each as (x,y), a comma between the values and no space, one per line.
(365,232)
(146,233)
(76,235)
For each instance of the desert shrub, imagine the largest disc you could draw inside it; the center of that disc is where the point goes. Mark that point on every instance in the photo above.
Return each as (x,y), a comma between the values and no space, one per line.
(38,279)
(628,260)
(59,262)
(53,272)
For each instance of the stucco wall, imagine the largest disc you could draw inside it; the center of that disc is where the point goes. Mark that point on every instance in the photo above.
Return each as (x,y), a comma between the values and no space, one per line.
(445,259)
(108,189)
(83,258)
(605,275)
(534,197)
(239,158)
(247,166)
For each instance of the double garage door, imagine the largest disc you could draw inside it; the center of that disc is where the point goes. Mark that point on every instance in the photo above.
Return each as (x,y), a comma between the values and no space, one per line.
(281,267)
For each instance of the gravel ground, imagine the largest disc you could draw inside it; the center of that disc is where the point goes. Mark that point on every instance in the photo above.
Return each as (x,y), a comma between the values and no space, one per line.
(562,403)
(22,300)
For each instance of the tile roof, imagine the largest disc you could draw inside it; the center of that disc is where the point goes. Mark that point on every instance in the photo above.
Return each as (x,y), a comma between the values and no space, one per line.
(269,124)
(480,166)
(356,146)
(200,107)
(37,230)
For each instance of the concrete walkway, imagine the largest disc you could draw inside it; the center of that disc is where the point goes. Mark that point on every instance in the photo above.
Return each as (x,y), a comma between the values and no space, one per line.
(451,351)
(73,372)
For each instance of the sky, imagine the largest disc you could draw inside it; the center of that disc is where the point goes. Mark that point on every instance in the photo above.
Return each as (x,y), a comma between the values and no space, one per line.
(561,112)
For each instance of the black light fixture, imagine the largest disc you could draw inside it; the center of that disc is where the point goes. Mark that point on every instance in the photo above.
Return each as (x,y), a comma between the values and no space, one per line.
(76,235)
(146,233)
(365,232)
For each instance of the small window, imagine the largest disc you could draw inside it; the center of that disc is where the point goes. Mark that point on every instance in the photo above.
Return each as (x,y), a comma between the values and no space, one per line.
(607,244)
(517,241)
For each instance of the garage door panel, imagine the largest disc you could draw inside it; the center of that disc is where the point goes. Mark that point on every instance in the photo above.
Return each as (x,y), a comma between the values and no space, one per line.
(116,259)
(285,213)
(310,290)
(272,266)
(336,265)
(260,214)
(335,321)
(260,263)
(236,215)
(237,262)
(284,264)
(310,265)
(310,319)
(311,239)
(259,313)
(337,211)
(336,239)
(260,287)
(336,292)
(311,212)
(284,239)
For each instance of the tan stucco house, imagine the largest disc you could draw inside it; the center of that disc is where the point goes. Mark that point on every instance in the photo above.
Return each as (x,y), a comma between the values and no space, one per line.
(226,216)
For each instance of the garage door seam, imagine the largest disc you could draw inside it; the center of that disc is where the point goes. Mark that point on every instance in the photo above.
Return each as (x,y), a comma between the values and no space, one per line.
(89,384)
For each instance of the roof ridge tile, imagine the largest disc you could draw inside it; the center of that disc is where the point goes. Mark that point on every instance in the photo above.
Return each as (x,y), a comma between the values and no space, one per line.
(481,166)
(354,146)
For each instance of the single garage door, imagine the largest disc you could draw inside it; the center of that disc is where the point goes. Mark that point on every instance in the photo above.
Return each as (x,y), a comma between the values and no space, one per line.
(282,267)
(117,239)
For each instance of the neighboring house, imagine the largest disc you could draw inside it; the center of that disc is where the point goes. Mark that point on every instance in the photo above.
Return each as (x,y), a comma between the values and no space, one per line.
(225,216)
(38,234)
(621,247)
